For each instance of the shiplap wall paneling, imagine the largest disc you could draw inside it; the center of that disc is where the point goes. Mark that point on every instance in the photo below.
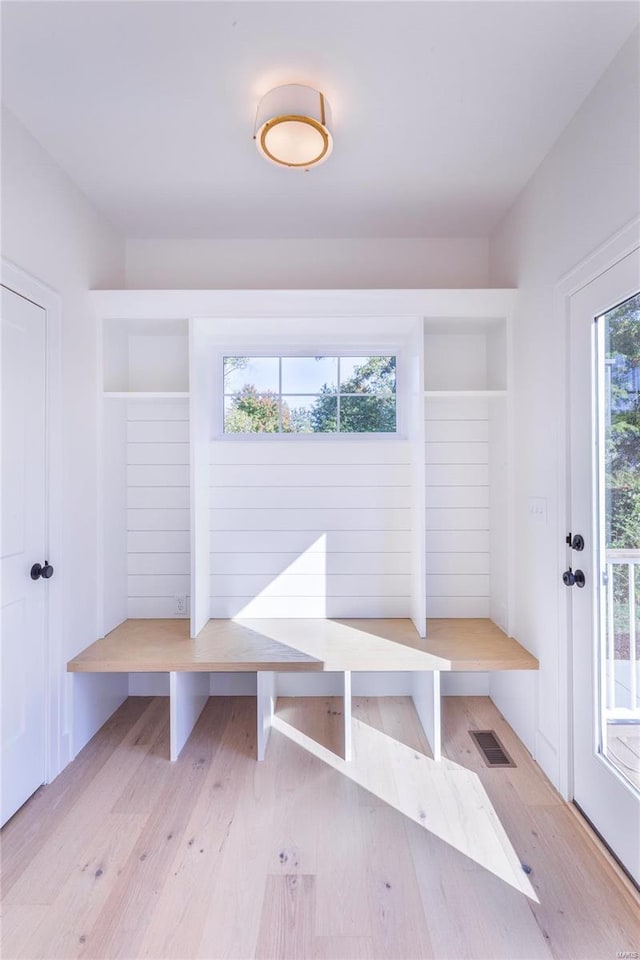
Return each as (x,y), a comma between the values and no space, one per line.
(113,499)
(310,529)
(457,508)
(158,507)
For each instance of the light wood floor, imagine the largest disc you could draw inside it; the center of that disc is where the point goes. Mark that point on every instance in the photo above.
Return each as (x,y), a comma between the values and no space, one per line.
(126,855)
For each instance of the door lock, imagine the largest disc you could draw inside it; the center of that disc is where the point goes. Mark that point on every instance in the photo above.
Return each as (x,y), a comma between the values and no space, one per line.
(576,542)
(46,571)
(569,578)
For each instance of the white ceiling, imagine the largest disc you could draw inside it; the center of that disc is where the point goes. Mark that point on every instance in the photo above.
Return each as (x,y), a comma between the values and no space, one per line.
(442,110)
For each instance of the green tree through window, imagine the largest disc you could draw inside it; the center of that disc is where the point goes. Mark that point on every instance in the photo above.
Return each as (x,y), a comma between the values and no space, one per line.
(622,360)
(360,399)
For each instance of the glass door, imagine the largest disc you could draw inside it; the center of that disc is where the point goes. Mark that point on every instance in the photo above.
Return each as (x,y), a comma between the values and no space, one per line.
(604,555)
(618,371)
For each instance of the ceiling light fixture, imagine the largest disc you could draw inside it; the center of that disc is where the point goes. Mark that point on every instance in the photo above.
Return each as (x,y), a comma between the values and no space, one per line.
(291,127)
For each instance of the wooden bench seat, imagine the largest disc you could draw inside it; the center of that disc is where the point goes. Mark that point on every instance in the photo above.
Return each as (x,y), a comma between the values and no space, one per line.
(301,645)
(267,647)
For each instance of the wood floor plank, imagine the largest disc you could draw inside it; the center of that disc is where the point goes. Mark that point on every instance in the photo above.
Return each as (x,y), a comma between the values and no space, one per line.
(62,930)
(582,911)
(368,710)
(287,919)
(43,813)
(16,923)
(231,929)
(461,714)
(186,900)
(343,948)
(583,908)
(118,871)
(49,869)
(121,924)
(470,911)
(399,923)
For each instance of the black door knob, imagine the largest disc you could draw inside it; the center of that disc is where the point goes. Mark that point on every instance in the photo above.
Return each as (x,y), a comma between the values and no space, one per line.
(569,578)
(46,571)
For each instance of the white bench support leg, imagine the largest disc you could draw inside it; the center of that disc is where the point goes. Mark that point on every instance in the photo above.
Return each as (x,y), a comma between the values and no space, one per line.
(188,694)
(348,728)
(426,699)
(266,701)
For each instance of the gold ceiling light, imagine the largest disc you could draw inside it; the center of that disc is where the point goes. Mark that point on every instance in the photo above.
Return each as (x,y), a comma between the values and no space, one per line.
(291,127)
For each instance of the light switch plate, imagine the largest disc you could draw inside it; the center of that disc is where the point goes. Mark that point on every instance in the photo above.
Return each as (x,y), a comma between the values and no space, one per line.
(538,509)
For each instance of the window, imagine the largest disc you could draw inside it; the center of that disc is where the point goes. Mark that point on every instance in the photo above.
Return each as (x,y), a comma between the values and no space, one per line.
(307,395)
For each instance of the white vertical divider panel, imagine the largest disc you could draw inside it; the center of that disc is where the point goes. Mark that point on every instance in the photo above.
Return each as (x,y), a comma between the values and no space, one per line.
(112,575)
(415,430)
(426,699)
(510,538)
(201,379)
(265,706)
(346,711)
(188,694)
(95,697)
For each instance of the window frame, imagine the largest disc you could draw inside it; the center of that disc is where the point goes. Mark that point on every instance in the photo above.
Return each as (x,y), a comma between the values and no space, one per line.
(313,350)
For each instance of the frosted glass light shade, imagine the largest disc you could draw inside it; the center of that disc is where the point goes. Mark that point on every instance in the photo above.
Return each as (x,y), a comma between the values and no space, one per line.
(291,127)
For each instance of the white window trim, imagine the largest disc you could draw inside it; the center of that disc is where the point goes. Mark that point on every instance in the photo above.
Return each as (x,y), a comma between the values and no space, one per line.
(313,350)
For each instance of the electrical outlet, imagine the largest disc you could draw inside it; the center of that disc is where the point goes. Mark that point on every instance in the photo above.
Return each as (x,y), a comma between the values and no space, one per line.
(180,608)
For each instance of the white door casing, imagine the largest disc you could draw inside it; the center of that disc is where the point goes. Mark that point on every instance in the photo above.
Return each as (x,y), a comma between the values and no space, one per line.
(603,795)
(23,542)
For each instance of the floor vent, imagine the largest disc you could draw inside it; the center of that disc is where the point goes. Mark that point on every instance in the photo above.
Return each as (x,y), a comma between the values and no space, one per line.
(493,753)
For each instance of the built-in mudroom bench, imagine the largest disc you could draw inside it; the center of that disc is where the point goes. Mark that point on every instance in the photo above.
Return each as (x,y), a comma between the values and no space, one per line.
(301,560)
(269,647)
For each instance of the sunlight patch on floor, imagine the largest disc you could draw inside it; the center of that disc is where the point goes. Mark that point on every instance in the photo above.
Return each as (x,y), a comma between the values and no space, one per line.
(443,797)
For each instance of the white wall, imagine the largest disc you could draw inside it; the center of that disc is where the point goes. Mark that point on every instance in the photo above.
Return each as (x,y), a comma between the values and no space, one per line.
(51,231)
(158,548)
(313,264)
(457,507)
(583,192)
(303,529)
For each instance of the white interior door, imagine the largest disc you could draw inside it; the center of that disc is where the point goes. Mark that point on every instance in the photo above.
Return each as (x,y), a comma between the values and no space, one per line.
(605,510)
(22,543)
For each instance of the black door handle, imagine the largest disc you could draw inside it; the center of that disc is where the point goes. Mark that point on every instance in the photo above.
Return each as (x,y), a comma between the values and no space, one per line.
(569,578)
(46,571)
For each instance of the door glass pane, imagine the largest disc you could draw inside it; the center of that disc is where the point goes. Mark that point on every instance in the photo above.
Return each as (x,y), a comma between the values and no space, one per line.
(619,471)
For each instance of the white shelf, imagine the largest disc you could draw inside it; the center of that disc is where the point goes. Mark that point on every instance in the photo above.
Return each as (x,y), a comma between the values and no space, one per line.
(463,394)
(148,357)
(146,395)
